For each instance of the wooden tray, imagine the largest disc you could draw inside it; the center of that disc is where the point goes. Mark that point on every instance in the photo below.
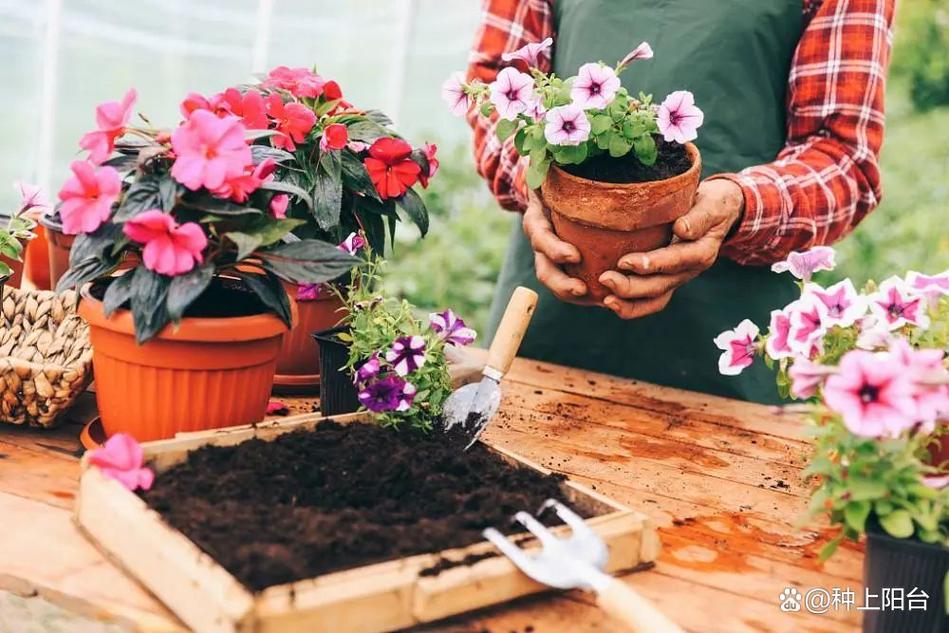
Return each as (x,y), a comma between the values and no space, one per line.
(379,597)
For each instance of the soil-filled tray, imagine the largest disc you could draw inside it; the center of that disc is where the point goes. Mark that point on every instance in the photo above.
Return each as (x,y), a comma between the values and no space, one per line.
(316,524)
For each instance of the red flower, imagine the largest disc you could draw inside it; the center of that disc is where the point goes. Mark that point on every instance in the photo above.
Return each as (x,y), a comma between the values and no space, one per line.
(335,136)
(250,107)
(293,121)
(332,91)
(429,149)
(390,168)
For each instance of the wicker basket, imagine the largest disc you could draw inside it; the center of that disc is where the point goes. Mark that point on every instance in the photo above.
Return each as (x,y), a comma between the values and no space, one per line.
(45,355)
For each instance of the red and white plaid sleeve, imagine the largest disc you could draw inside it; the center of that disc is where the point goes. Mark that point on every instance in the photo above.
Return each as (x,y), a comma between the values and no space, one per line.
(827,177)
(506,25)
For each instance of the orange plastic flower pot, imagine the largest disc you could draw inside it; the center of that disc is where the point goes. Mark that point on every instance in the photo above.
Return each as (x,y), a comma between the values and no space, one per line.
(608,220)
(206,373)
(298,364)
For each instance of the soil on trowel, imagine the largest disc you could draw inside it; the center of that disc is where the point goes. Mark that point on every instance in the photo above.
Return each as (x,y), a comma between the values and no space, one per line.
(313,502)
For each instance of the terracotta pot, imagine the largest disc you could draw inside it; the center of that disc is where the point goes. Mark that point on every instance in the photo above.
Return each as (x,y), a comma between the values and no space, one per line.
(37,260)
(207,373)
(607,220)
(298,364)
(59,246)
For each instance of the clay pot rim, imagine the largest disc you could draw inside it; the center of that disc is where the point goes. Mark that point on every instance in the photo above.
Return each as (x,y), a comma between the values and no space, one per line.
(47,220)
(189,329)
(690,148)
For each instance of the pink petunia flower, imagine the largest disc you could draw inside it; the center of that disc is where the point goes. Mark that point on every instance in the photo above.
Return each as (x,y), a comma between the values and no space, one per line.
(32,198)
(353,243)
(738,348)
(300,82)
(239,188)
(279,204)
(873,394)
(679,118)
(293,121)
(530,53)
(209,150)
(453,93)
(111,118)
(933,287)
(803,264)
(87,197)
(512,93)
(249,106)
(777,346)
(895,304)
(406,354)
(929,377)
(309,292)
(808,325)
(595,86)
(122,459)
(536,110)
(567,125)
(643,51)
(451,328)
(335,137)
(170,248)
(843,303)
(806,376)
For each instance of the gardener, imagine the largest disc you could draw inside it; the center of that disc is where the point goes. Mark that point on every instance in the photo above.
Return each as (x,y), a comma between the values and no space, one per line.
(793,97)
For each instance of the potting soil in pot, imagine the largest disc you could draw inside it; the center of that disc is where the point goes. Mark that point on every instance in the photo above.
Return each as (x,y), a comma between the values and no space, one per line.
(672,160)
(313,502)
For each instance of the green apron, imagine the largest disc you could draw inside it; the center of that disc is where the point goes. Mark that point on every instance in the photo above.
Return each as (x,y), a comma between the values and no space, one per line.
(735,56)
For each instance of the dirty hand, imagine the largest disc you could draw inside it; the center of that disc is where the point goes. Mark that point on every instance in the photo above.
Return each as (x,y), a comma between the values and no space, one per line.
(698,237)
(550,252)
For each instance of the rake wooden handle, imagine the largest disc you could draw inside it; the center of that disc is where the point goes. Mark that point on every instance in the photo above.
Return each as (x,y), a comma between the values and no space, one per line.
(507,339)
(626,605)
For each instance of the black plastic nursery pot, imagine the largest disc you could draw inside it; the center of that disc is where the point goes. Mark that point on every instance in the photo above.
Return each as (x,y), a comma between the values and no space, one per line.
(337,391)
(904,565)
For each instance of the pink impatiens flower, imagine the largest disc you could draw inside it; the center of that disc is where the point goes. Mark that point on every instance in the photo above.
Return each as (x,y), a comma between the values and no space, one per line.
(873,394)
(777,345)
(122,459)
(209,150)
(679,118)
(293,121)
(170,248)
(111,118)
(453,93)
(88,197)
(512,93)
(595,86)
(738,348)
(239,188)
(567,125)
(897,305)
(451,328)
(530,53)
(430,150)
(300,82)
(643,51)
(805,263)
(843,303)
(279,204)
(249,106)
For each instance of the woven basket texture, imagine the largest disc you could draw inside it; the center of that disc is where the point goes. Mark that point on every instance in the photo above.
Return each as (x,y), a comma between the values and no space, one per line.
(45,356)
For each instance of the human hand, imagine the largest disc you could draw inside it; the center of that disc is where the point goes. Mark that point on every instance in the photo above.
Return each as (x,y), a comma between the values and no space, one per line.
(698,237)
(550,252)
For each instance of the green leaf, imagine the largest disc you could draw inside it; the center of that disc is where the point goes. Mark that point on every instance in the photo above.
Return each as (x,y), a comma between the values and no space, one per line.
(487,108)
(866,489)
(118,293)
(519,141)
(604,140)
(600,123)
(505,128)
(327,200)
(355,176)
(898,524)
(97,244)
(619,146)
(260,153)
(414,207)
(246,244)
(217,206)
(829,548)
(646,150)
(123,162)
(379,117)
(148,294)
(331,163)
(286,187)
(85,271)
(536,173)
(168,191)
(856,513)
(185,289)
(270,292)
(307,261)
(366,131)
(143,194)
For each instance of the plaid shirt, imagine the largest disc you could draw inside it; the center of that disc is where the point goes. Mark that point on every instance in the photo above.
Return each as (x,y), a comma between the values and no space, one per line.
(824,181)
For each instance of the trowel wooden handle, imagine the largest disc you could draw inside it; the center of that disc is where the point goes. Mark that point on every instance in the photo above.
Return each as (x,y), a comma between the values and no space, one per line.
(507,339)
(638,614)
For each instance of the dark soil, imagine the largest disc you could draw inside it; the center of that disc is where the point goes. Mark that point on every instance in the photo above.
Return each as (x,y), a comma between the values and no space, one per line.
(223,298)
(313,502)
(672,161)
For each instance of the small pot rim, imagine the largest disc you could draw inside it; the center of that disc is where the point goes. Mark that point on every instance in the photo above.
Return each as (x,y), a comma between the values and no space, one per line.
(189,329)
(690,149)
(47,220)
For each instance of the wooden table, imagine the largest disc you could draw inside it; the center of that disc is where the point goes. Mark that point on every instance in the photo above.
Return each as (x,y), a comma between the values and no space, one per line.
(722,479)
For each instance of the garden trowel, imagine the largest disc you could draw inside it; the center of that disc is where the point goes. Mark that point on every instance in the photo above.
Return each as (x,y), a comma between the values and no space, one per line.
(473,406)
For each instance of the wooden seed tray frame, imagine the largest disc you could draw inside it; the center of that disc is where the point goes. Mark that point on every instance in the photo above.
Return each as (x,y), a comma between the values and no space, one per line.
(372,598)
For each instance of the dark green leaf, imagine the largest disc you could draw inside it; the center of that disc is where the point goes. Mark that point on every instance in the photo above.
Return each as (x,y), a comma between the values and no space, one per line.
(184,289)
(256,135)
(142,195)
(222,207)
(414,207)
(246,244)
(123,162)
(307,261)
(148,295)
(379,117)
(375,227)
(97,244)
(260,153)
(271,293)
(85,271)
(286,187)
(327,200)
(366,131)
(355,176)
(168,192)
(118,293)
(331,163)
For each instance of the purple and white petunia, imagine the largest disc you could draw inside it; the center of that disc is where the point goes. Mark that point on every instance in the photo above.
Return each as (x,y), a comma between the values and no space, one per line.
(567,125)
(803,264)
(679,118)
(595,86)
(391,393)
(897,305)
(407,354)
(451,328)
(844,304)
(368,370)
(512,93)
(643,51)
(530,53)
(777,345)
(738,348)
(352,243)
(453,93)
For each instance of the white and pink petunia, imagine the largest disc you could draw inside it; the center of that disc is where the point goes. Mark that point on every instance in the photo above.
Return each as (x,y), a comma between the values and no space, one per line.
(808,326)
(896,304)
(407,354)
(874,334)
(803,264)
(451,328)
(777,346)
(454,94)
(512,93)
(679,118)
(806,376)
(844,305)
(567,125)
(930,381)
(594,87)
(643,51)
(933,287)
(531,53)
(738,348)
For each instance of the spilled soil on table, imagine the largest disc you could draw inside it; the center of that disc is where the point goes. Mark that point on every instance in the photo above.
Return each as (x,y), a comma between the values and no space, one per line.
(313,502)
